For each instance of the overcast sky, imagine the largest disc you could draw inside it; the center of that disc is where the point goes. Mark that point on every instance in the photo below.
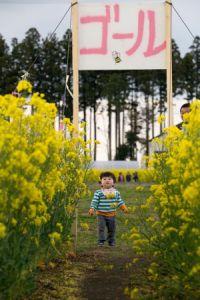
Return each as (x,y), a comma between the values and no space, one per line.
(17,16)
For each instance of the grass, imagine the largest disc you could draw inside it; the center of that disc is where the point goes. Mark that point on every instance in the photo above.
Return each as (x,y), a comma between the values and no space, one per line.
(117,262)
(98,273)
(131,197)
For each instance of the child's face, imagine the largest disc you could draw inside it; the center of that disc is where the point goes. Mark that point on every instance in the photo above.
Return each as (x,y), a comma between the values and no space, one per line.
(184,110)
(107,182)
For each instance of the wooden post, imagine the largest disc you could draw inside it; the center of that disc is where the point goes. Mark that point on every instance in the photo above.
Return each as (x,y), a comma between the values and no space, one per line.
(74,4)
(169,61)
(76,230)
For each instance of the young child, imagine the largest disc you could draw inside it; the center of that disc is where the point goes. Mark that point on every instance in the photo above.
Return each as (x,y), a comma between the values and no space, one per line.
(105,202)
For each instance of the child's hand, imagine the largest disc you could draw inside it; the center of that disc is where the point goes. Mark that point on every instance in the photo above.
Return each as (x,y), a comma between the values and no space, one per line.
(91,211)
(126,210)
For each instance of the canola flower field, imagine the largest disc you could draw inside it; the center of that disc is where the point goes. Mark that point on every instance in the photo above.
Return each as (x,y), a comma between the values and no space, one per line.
(43,175)
(169,227)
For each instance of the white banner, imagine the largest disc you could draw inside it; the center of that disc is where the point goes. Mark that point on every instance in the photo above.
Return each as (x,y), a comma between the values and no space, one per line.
(122,36)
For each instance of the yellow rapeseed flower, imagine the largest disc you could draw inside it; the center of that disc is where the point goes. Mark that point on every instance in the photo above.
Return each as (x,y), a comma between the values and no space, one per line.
(84,226)
(2,230)
(24,85)
(134,294)
(161,119)
(13,221)
(59,226)
(139,188)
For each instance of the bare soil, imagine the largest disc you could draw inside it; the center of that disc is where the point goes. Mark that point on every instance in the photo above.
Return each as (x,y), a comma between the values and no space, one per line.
(101,274)
(97,273)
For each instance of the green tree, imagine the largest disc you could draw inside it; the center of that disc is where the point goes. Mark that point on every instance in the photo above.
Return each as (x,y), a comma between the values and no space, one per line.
(66,67)
(132,138)
(189,76)
(195,51)
(115,90)
(51,77)
(146,90)
(90,96)
(162,93)
(134,112)
(26,56)
(122,152)
(4,65)
(177,70)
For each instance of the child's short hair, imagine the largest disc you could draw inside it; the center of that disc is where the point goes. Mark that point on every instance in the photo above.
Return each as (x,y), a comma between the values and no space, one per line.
(185,105)
(108,174)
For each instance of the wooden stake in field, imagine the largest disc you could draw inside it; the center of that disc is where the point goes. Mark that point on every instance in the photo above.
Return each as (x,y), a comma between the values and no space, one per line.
(169,61)
(74,5)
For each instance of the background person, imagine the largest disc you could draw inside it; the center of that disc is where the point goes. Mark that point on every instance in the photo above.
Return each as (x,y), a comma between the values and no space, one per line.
(120,178)
(128,177)
(135,176)
(185,109)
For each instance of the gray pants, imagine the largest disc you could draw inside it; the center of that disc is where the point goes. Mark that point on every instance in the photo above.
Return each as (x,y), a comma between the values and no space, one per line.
(110,224)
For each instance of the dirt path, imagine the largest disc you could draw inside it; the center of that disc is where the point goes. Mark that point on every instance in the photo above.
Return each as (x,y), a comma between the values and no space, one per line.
(109,277)
(96,273)
(100,274)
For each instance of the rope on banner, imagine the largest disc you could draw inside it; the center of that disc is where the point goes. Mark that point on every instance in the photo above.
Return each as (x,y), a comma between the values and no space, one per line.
(178,14)
(54,31)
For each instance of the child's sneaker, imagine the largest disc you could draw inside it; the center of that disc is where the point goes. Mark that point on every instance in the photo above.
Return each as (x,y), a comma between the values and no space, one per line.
(100,244)
(112,244)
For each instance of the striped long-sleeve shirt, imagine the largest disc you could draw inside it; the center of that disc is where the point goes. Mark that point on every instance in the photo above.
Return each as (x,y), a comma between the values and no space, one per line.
(105,202)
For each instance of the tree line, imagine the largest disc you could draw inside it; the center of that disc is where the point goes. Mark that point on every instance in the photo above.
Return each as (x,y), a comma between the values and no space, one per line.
(50,59)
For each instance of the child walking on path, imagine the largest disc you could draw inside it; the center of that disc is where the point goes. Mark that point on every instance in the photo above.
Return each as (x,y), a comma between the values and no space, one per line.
(104,203)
